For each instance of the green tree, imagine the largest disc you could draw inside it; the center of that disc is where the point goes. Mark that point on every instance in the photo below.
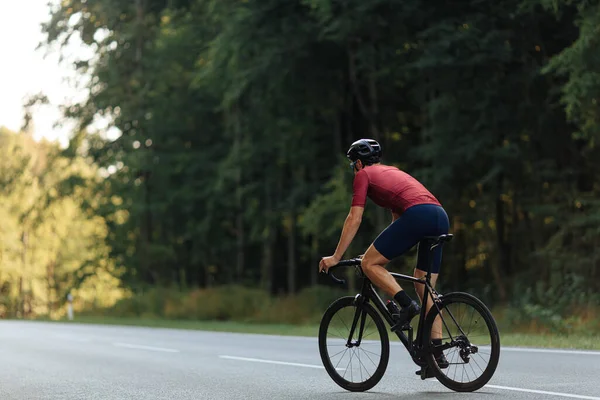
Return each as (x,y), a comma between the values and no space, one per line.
(51,243)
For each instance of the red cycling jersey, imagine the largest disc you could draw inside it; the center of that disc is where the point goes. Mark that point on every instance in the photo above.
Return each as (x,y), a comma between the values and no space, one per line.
(390,188)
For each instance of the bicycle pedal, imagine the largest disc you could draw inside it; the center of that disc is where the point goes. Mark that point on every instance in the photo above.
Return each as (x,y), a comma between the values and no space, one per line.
(425,373)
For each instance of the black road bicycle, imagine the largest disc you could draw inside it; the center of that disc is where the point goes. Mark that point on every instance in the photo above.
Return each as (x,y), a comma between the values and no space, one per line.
(355,347)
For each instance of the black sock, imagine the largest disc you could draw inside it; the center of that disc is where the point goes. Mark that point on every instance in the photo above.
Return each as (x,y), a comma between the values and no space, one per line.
(437,342)
(403,299)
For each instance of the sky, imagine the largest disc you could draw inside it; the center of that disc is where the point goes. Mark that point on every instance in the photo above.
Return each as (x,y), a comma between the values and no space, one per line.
(24,71)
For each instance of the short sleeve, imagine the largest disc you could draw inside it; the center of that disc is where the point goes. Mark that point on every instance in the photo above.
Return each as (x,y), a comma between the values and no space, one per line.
(359,188)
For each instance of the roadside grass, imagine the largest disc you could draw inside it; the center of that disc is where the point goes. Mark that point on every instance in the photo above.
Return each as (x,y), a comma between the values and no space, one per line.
(235,308)
(507,338)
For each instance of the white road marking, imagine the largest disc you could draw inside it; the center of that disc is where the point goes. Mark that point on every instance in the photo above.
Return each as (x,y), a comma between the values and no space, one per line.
(572,396)
(275,362)
(555,351)
(151,348)
(515,389)
(531,350)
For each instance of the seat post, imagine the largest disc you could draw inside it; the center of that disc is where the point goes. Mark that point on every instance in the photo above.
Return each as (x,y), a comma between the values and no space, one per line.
(429,261)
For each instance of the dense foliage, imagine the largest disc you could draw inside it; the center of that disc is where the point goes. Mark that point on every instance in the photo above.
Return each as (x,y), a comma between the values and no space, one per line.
(52,242)
(235,116)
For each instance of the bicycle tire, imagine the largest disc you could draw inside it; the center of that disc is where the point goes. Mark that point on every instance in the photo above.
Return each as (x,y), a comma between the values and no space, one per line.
(465,298)
(385,345)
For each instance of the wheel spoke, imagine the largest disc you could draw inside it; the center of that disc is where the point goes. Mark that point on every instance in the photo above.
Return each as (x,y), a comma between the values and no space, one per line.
(367,351)
(365,336)
(340,336)
(470,323)
(346,370)
(340,318)
(368,357)
(473,369)
(339,352)
(338,363)
(476,363)
(455,368)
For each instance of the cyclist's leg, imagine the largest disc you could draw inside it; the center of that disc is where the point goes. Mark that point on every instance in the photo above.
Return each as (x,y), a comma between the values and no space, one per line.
(420,289)
(373,265)
(399,237)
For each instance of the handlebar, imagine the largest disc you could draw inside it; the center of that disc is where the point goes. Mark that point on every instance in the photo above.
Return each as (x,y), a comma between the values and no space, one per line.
(344,263)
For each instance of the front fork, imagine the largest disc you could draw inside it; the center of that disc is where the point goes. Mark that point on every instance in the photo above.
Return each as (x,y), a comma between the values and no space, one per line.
(361,315)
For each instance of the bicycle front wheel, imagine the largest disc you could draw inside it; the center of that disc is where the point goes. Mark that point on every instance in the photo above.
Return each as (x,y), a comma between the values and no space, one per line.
(470,343)
(355,363)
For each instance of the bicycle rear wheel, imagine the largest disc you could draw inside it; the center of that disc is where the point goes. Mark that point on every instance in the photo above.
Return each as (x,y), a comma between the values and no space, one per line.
(355,363)
(470,342)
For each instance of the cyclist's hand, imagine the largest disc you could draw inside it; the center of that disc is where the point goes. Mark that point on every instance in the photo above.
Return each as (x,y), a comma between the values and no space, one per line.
(327,262)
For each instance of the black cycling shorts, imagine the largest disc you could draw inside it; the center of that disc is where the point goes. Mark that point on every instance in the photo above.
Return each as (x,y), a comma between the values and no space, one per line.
(410,229)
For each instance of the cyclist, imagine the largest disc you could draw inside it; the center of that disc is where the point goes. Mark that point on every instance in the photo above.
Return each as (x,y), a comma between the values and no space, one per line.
(416,213)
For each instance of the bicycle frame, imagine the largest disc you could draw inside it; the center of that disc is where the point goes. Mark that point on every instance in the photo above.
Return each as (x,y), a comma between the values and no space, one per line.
(368,293)
(414,347)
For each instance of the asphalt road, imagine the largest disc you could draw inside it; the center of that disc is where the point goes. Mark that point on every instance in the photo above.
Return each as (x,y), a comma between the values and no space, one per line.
(58,361)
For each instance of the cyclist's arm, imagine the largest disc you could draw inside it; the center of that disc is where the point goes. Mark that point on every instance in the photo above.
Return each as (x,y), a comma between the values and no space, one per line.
(349,230)
(359,199)
(395,216)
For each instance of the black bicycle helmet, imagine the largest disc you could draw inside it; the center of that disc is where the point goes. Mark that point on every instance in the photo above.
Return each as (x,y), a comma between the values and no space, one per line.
(366,150)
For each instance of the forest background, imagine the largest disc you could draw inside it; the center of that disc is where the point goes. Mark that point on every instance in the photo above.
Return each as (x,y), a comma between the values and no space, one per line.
(228,180)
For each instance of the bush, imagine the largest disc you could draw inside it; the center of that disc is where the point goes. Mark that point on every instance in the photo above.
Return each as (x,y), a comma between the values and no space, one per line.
(149,303)
(307,306)
(531,312)
(540,308)
(230,302)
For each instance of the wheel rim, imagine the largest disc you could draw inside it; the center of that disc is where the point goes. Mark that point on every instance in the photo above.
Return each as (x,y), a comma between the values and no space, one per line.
(357,363)
(473,341)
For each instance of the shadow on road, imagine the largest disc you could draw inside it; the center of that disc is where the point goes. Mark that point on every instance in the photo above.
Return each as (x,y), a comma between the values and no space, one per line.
(445,395)
(411,395)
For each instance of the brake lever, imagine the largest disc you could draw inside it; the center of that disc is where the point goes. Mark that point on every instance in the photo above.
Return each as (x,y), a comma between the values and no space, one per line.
(336,280)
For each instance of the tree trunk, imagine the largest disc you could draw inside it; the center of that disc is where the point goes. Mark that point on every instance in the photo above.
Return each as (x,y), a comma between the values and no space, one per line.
(339,146)
(208,272)
(349,106)
(24,242)
(374,120)
(594,269)
(503,258)
(354,80)
(291,275)
(20,306)
(266,275)
(149,225)
(462,255)
(314,258)
(139,8)
(239,221)
(50,278)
